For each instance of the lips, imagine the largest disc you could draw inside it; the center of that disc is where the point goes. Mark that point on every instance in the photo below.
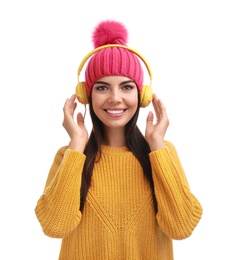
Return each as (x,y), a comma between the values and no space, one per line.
(115,112)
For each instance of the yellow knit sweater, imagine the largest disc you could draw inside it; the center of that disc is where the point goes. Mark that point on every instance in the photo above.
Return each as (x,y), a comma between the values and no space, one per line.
(118,221)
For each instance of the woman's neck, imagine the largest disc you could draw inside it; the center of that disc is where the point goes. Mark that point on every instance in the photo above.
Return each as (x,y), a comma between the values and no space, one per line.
(114,137)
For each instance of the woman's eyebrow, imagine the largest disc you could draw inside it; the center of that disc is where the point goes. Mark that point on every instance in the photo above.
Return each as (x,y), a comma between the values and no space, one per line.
(106,83)
(127,81)
(102,82)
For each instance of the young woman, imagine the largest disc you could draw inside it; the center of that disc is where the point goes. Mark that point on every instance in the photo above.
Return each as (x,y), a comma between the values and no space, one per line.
(116,194)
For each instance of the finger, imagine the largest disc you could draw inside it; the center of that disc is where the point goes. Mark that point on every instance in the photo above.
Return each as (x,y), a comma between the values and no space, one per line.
(80,119)
(70,106)
(65,105)
(163,120)
(73,97)
(150,119)
(156,106)
(162,109)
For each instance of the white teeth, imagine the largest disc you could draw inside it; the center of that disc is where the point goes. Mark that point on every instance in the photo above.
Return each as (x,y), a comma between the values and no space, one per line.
(115,111)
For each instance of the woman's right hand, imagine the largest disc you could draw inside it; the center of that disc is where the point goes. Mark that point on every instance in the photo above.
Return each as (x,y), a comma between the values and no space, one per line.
(76,130)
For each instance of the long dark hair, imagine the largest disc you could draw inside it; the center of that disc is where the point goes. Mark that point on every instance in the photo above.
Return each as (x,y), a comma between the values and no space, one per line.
(135,142)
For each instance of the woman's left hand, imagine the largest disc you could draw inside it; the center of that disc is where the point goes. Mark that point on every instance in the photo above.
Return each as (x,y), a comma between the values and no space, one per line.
(155,132)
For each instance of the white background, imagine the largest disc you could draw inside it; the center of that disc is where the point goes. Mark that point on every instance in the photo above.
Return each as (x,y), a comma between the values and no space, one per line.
(187,44)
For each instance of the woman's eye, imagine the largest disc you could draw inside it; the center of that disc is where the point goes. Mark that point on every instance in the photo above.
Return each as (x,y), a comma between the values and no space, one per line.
(101,88)
(128,87)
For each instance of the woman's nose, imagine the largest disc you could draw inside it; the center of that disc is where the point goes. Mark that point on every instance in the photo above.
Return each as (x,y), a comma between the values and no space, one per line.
(115,96)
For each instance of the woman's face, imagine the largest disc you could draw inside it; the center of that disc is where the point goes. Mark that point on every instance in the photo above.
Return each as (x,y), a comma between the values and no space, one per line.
(114,100)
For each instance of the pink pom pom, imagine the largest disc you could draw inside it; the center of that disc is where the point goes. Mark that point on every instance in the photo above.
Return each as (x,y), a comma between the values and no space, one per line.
(109,32)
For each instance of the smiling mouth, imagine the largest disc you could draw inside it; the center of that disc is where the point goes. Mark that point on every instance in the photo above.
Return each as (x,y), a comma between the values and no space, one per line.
(115,112)
(112,111)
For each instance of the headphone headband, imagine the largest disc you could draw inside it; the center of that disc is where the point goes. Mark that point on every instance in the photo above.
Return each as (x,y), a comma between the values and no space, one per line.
(114,45)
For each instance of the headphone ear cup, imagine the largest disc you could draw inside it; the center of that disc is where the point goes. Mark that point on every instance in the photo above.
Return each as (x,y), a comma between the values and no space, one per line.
(146,96)
(81,93)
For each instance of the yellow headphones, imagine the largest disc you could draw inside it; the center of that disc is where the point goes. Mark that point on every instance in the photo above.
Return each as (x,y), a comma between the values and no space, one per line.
(146,94)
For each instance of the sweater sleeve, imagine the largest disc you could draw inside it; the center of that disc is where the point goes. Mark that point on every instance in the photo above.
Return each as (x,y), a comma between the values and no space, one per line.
(179,211)
(57,209)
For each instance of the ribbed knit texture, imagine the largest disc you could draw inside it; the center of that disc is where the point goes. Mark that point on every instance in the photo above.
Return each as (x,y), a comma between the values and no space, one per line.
(113,61)
(118,221)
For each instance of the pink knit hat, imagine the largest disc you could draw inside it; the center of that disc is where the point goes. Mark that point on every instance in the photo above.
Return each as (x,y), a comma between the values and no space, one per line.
(112,61)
